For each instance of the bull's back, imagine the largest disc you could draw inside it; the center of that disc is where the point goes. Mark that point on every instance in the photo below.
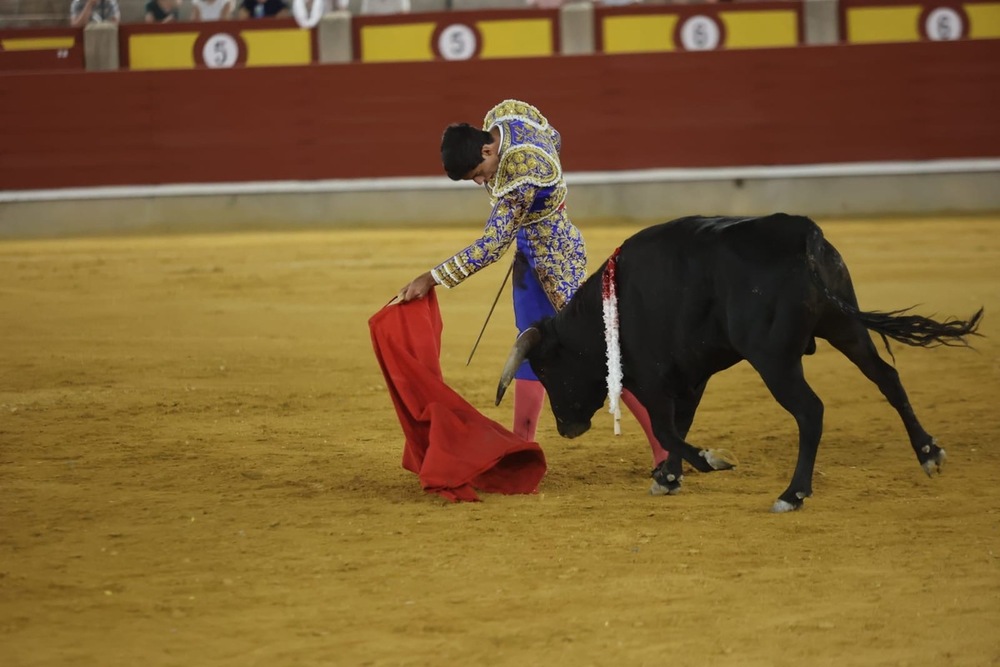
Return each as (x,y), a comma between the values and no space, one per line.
(765,237)
(708,284)
(700,249)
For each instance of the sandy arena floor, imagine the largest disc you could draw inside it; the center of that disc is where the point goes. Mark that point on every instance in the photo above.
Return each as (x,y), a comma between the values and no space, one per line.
(199,465)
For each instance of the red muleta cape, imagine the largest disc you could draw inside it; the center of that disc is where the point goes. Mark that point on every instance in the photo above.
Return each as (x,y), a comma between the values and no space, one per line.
(450,445)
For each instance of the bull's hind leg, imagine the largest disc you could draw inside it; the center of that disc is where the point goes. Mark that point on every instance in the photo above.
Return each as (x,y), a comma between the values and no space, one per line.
(858,347)
(788,385)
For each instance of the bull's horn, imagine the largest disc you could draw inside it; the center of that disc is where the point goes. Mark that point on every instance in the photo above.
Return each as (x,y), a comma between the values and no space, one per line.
(522,346)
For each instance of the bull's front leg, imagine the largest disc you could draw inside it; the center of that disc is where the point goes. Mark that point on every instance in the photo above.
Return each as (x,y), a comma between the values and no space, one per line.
(671,419)
(667,476)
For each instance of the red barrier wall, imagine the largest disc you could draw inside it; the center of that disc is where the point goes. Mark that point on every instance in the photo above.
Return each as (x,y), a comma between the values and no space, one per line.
(41,49)
(286,44)
(752,107)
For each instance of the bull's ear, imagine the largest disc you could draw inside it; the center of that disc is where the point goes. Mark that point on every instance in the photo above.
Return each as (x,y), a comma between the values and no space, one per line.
(528,339)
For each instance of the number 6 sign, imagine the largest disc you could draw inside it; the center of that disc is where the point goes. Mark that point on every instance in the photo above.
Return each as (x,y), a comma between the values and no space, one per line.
(944,23)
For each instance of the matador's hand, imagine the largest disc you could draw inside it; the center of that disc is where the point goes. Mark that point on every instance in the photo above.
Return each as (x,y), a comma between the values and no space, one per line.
(417,288)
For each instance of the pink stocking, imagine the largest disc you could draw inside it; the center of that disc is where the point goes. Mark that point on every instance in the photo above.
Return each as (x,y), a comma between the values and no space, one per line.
(528,396)
(641,416)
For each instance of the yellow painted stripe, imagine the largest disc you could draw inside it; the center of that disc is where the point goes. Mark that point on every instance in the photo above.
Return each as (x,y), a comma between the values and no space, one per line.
(286,46)
(397,42)
(37,43)
(984,20)
(172,50)
(637,34)
(883,24)
(761,28)
(516,38)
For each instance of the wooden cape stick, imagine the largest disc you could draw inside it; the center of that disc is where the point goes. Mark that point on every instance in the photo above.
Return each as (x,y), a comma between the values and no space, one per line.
(490,314)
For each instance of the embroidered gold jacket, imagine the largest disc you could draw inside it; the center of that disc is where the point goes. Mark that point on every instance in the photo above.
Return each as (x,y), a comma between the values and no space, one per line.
(528,198)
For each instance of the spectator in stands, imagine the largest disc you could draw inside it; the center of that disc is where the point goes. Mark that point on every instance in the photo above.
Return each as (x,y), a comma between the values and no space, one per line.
(163,11)
(211,10)
(82,12)
(256,9)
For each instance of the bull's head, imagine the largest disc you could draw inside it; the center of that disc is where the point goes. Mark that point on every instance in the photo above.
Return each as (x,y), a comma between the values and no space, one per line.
(574,382)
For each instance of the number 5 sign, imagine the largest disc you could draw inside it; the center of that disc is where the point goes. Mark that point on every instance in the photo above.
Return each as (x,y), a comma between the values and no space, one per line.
(699,33)
(220,50)
(456,41)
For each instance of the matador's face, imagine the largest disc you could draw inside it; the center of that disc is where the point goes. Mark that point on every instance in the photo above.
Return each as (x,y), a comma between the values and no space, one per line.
(486,169)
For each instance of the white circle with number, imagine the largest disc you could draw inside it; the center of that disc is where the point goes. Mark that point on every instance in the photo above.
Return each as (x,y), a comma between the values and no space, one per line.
(944,24)
(700,33)
(220,50)
(457,42)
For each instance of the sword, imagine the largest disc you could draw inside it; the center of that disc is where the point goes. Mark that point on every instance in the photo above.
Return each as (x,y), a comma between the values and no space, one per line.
(490,314)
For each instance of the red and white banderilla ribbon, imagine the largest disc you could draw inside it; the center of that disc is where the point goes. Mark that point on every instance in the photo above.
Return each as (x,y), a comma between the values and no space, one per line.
(609,299)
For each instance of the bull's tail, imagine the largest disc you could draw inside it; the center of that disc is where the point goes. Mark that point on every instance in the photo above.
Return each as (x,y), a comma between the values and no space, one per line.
(899,325)
(918,330)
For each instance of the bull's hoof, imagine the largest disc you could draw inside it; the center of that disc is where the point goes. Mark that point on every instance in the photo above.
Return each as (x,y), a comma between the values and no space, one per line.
(665,483)
(719,459)
(783,504)
(657,489)
(935,464)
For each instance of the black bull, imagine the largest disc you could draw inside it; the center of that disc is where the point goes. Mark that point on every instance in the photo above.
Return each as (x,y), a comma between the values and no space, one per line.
(696,296)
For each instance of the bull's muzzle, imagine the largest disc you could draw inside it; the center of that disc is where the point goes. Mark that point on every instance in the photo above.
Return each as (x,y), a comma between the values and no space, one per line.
(572,430)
